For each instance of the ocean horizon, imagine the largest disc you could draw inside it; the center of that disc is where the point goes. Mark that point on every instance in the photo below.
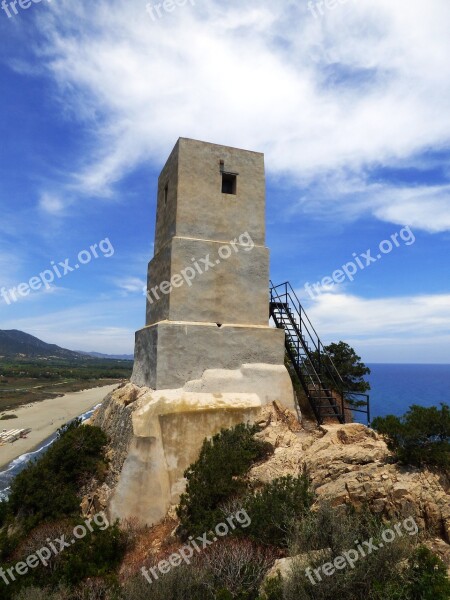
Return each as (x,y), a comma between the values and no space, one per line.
(395,387)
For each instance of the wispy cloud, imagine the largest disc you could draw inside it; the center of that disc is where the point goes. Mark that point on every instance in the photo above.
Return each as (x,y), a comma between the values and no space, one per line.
(51,204)
(425,207)
(130,285)
(336,97)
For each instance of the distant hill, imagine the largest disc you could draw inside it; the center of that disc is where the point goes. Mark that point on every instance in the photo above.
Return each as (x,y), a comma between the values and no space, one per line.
(15,344)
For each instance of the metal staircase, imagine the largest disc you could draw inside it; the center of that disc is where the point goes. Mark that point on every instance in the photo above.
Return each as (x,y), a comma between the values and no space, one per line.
(314,367)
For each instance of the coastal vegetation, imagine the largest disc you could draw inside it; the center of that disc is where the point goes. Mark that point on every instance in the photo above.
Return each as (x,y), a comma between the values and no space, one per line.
(420,437)
(47,489)
(31,381)
(287,521)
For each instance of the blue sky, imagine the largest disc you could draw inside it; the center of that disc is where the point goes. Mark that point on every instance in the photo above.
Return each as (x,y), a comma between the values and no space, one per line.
(351,109)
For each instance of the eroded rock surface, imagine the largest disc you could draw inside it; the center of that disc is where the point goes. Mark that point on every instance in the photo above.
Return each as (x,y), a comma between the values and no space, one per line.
(351,465)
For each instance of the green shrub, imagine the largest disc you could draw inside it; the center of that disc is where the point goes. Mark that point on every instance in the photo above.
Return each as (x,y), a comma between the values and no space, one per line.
(4,512)
(420,437)
(276,507)
(399,570)
(47,488)
(217,476)
(273,589)
(96,555)
(427,577)
(328,533)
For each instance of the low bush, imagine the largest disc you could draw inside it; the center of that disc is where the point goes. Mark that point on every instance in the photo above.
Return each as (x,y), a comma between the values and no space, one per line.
(420,437)
(426,577)
(181,583)
(47,488)
(217,476)
(4,512)
(94,557)
(275,508)
(235,568)
(398,570)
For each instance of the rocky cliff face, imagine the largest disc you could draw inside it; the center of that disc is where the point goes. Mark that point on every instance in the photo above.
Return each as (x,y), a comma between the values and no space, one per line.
(351,465)
(348,464)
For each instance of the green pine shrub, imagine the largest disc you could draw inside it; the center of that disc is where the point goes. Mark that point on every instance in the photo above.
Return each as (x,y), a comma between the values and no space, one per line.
(217,476)
(47,488)
(275,508)
(420,437)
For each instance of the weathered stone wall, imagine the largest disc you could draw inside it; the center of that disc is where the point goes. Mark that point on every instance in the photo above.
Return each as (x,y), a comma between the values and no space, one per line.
(114,417)
(168,355)
(234,291)
(203,212)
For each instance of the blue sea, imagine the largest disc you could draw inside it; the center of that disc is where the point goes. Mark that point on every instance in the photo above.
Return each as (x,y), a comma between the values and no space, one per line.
(396,387)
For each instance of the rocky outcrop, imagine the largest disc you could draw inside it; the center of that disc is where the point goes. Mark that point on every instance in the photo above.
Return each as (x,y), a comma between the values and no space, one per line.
(156,435)
(351,465)
(348,464)
(114,417)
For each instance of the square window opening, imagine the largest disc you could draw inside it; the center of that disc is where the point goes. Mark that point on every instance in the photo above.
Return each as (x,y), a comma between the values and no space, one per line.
(229,183)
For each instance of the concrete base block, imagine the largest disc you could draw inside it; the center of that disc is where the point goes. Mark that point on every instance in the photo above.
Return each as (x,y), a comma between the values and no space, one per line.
(169,354)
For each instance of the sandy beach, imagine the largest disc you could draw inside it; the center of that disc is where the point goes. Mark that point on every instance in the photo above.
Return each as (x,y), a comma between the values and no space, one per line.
(46,417)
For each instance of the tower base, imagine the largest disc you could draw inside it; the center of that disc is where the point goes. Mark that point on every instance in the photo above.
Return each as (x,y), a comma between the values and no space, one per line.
(169,354)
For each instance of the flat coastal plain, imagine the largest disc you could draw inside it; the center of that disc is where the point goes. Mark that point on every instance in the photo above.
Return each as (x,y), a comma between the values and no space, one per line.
(45,418)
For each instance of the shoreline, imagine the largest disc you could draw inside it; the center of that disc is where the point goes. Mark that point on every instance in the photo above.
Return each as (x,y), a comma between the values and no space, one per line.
(46,417)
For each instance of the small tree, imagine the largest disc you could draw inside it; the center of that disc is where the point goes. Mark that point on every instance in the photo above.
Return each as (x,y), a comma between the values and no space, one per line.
(349,366)
(421,436)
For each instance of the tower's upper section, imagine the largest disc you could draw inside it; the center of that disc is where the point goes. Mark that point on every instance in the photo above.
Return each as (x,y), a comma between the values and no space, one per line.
(210,192)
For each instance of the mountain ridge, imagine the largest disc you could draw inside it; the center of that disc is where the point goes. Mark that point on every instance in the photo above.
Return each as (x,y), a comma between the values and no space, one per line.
(19,344)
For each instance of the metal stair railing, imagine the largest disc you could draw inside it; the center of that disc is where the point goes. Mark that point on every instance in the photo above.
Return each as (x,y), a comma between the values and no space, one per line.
(301,353)
(314,366)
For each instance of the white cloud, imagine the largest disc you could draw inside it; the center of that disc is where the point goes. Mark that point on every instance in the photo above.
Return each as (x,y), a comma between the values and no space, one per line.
(421,207)
(415,328)
(51,204)
(341,194)
(131,285)
(366,85)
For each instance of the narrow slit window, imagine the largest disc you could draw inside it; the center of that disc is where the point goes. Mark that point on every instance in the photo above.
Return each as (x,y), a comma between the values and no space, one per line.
(229,183)
(166,193)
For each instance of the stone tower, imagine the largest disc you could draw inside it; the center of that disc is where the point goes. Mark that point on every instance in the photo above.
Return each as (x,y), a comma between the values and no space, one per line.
(207,358)
(207,296)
